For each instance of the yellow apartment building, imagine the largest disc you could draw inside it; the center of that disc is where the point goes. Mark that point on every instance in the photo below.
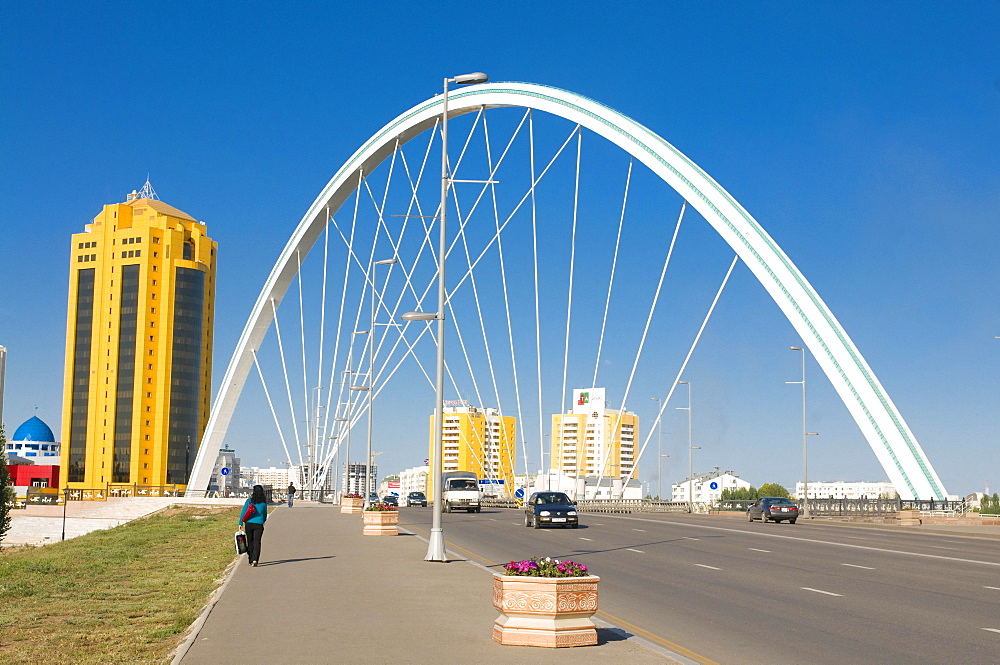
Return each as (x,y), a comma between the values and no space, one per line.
(480,440)
(593,441)
(138,345)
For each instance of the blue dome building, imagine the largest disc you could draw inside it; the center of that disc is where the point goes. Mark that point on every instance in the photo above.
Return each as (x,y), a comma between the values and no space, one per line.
(34,440)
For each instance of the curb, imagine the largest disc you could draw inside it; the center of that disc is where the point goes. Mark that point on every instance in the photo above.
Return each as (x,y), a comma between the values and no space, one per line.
(195,628)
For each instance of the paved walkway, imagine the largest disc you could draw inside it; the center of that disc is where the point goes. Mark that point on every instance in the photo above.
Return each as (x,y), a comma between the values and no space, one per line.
(323,593)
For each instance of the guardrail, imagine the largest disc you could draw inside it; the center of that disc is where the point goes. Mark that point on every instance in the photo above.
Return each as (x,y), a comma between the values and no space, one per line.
(873,507)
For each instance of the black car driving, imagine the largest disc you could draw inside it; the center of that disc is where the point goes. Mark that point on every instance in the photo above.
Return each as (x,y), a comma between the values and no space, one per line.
(550,509)
(773,508)
(416,499)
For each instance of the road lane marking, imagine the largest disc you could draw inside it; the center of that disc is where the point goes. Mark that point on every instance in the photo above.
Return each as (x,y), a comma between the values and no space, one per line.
(590,539)
(757,550)
(829,593)
(995,588)
(854,565)
(941,547)
(814,541)
(709,567)
(643,530)
(993,630)
(690,538)
(632,550)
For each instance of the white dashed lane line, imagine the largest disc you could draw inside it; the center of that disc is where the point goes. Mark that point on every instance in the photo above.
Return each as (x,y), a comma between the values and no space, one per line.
(701,565)
(643,530)
(590,539)
(854,565)
(757,550)
(636,551)
(993,630)
(828,593)
(690,538)
(995,588)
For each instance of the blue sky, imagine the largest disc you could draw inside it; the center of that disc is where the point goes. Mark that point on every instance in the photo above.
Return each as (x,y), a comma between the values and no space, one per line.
(863,136)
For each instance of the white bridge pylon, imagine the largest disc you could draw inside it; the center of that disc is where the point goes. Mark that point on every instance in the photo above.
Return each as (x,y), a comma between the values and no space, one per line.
(880,422)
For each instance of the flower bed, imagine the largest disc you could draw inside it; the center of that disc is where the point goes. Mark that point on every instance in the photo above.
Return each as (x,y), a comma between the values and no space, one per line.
(545,602)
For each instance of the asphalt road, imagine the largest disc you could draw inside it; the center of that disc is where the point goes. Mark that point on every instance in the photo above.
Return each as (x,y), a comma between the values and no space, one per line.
(733,592)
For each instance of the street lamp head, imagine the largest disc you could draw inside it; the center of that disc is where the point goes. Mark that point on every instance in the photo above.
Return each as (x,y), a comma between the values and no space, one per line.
(695,447)
(686,383)
(419,316)
(474,77)
(812,433)
(360,332)
(360,388)
(795,348)
(386,262)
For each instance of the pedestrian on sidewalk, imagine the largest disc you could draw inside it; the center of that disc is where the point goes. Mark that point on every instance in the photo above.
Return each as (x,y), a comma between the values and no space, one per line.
(291,494)
(254,526)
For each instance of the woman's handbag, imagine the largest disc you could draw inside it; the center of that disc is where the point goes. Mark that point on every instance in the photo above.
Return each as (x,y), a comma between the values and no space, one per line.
(241,542)
(249,514)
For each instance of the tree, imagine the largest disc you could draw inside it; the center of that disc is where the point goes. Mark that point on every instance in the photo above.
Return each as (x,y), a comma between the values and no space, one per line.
(7,495)
(772,489)
(739,494)
(990,506)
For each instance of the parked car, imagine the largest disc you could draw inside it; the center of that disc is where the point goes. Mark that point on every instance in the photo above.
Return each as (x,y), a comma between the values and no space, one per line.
(391,499)
(550,509)
(416,498)
(373,498)
(773,508)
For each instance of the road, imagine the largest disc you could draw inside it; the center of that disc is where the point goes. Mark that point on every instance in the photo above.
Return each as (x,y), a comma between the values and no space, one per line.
(734,592)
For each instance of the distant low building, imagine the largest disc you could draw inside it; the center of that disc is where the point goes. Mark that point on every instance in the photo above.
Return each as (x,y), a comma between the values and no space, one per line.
(707,487)
(847,489)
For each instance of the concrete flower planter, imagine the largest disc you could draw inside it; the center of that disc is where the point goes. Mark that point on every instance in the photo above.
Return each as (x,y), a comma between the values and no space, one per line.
(380,523)
(545,611)
(352,505)
(908,518)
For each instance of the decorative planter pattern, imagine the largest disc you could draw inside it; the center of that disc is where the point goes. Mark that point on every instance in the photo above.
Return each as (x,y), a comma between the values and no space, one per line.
(380,523)
(545,611)
(352,505)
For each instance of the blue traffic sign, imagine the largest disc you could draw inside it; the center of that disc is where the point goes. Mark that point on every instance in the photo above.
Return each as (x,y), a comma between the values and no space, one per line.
(519,493)
(225,471)
(714,485)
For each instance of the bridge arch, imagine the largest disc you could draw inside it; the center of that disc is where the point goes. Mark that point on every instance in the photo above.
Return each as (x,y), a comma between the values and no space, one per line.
(895,446)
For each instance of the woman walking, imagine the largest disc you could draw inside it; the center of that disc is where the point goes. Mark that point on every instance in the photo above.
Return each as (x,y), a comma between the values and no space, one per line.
(254,526)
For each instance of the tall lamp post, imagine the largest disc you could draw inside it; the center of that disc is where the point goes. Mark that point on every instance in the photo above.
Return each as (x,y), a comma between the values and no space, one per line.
(659,452)
(805,435)
(371,381)
(435,545)
(691,450)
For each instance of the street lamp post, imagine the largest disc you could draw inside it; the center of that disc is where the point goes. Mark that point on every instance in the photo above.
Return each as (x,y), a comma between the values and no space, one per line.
(691,448)
(371,381)
(805,436)
(435,545)
(659,452)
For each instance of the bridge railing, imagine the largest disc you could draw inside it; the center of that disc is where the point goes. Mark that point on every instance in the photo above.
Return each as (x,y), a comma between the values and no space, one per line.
(875,507)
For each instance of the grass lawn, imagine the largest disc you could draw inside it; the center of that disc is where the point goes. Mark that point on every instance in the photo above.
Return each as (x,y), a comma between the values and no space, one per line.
(124,595)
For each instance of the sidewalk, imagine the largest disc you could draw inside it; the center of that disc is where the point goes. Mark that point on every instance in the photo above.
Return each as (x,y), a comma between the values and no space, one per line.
(323,593)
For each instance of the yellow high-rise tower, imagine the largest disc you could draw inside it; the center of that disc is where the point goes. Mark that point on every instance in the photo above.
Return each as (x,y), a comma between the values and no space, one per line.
(591,441)
(481,441)
(138,346)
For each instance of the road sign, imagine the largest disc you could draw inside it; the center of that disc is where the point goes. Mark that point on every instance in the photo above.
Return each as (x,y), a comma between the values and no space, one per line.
(519,493)
(225,471)
(491,481)
(714,485)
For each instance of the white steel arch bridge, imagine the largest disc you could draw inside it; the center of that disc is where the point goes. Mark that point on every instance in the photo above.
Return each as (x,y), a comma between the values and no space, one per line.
(386,179)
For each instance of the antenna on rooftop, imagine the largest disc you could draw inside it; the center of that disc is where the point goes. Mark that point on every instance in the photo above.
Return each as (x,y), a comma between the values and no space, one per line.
(147,192)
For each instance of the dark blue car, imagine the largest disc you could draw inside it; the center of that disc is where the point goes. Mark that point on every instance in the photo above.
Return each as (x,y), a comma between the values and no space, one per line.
(550,509)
